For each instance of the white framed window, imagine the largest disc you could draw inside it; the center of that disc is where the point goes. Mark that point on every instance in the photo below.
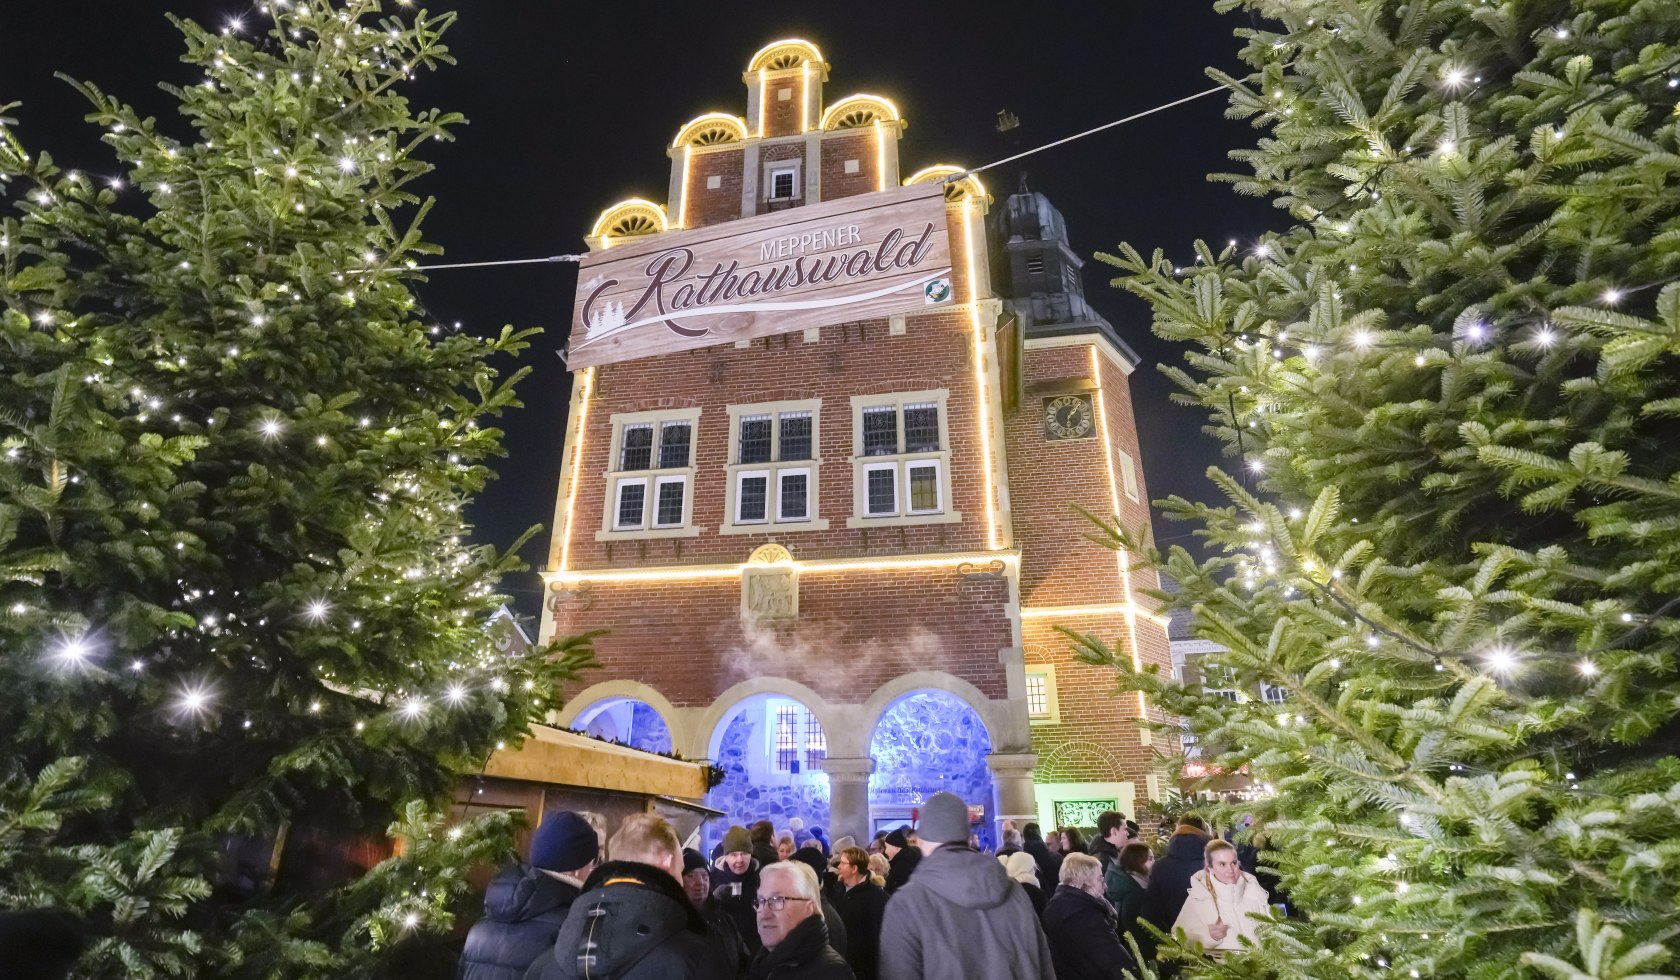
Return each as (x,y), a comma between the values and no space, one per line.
(752,496)
(630,504)
(1128,476)
(781,180)
(880,490)
(670,501)
(773,467)
(1042,708)
(651,475)
(901,459)
(1273,695)
(922,486)
(793,495)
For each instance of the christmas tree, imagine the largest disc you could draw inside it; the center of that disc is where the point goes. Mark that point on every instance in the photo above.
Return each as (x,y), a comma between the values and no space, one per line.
(1449,387)
(238,604)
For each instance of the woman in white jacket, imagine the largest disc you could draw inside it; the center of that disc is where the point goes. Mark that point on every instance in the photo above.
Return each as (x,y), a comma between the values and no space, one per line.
(1226,903)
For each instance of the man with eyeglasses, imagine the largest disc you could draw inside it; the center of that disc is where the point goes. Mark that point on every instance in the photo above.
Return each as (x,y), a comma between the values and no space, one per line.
(791,925)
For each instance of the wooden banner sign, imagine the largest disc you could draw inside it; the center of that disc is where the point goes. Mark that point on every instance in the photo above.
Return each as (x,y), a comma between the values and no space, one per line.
(860,257)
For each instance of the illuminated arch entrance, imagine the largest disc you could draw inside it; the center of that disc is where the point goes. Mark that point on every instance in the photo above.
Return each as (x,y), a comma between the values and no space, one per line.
(771,748)
(628,721)
(927,741)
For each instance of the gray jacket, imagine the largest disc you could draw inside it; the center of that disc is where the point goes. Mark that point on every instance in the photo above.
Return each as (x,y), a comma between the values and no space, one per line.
(961,918)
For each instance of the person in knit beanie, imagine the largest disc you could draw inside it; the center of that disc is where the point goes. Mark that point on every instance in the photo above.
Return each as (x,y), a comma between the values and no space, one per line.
(526,904)
(735,884)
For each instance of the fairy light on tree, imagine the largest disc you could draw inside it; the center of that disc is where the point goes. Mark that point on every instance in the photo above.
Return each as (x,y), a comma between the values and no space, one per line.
(202,365)
(1472,519)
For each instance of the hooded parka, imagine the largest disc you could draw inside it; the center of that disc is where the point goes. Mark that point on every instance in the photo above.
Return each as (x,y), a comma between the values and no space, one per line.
(961,918)
(524,908)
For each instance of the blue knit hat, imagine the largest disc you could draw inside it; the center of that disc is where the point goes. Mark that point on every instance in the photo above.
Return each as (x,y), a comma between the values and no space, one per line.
(563,842)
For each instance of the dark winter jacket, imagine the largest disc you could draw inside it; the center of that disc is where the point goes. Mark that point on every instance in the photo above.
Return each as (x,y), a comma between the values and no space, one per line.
(1084,936)
(1049,863)
(738,901)
(862,908)
(1125,893)
(725,935)
(961,918)
(632,922)
(1035,894)
(1169,880)
(900,867)
(523,911)
(1105,852)
(805,954)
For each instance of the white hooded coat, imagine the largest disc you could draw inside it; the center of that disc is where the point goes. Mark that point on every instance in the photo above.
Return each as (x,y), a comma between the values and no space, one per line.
(1242,906)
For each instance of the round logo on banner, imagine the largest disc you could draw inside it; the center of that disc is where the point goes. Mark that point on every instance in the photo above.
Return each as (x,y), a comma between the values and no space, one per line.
(936,291)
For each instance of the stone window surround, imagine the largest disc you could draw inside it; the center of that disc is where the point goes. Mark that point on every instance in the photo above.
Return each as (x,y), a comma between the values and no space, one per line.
(772,167)
(1053,716)
(861,464)
(814,520)
(612,478)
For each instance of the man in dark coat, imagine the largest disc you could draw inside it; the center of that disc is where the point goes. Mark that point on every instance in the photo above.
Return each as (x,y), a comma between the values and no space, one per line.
(795,936)
(1049,862)
(862,905)
(1081,927)
(633,921)
(525,905)
(1169,880)
(901,859)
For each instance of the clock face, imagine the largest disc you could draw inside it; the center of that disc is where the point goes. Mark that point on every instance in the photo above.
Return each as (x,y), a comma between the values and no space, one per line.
(1068,417)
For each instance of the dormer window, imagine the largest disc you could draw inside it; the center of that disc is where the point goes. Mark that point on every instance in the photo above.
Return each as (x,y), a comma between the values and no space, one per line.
(783,183)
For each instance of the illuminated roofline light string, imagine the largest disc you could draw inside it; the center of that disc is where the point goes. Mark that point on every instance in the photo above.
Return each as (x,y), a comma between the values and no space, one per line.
(961,175)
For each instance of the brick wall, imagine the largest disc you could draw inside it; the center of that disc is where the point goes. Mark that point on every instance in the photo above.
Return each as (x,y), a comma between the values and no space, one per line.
(710,206)
(1097,737)
(856,631)
(841,146)
(849,359)
(781,116)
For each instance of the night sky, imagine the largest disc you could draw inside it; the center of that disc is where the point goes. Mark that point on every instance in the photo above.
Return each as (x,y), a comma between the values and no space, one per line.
(571,106)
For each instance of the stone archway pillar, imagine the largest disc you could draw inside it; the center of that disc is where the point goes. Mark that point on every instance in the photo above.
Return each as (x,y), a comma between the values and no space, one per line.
(1012,787)
(848,798)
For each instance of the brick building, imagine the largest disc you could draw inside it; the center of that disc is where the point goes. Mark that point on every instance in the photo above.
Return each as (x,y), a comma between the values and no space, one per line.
(831,556)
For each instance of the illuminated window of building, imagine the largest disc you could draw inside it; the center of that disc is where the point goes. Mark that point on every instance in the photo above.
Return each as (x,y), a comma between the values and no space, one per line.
(653,472)
(773,467)
(1041,694)
(816,743)
(901,459)
(1038,699)
(787,737)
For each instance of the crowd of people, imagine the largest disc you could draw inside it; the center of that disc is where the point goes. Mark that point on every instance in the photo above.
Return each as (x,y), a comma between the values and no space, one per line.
(915,903)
